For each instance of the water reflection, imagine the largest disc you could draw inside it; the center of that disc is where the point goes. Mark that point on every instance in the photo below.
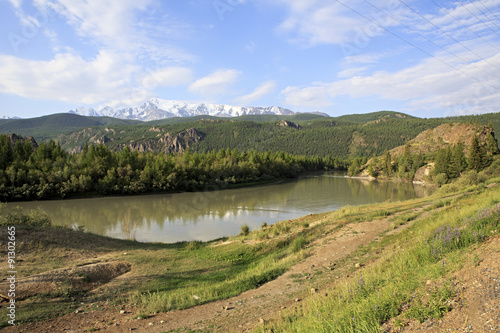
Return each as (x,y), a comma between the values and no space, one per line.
(210,215)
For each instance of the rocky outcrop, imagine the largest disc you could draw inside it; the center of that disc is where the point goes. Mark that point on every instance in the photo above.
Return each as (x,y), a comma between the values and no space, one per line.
(287,123)
(167,143)
(14,138)
(442,136)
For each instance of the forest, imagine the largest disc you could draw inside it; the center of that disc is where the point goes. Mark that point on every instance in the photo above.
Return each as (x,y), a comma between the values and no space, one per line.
(48,171)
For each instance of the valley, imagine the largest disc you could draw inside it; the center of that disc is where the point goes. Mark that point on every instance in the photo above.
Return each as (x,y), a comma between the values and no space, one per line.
(391,265)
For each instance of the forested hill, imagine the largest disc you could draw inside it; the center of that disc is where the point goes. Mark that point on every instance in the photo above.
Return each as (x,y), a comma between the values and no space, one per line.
(300,134)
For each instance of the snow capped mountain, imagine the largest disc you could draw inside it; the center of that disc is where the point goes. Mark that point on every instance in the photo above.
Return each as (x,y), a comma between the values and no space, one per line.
(157,108)
(6,117)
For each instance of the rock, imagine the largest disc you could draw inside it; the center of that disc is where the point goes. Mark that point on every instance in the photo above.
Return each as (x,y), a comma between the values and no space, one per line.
(357,265)
(122,311)
(286,123)
(151,324)
(262,321)
(314,290)
(196,297)
(298,299)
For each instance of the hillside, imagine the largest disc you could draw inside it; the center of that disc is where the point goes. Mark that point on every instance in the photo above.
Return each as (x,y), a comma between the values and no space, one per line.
(434,156)
(348,136)
(49,127)
(441,137)
(312,137)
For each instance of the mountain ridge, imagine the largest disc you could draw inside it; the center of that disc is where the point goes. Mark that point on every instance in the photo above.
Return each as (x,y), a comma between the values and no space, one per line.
(157,109)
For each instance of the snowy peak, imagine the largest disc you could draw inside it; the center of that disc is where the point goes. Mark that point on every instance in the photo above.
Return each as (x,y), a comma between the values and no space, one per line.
(157,108)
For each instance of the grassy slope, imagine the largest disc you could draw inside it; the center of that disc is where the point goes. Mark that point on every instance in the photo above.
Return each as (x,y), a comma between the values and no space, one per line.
(407,275)
(166,276)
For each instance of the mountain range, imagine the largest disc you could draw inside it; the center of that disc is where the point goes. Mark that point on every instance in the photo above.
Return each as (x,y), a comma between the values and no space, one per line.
(156,109)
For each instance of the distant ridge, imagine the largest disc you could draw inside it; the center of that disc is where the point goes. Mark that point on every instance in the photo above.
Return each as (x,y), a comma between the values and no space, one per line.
(157,109)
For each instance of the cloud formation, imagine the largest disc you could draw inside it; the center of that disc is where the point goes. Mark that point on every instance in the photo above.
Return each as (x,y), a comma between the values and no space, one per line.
(216,83)
(259,92)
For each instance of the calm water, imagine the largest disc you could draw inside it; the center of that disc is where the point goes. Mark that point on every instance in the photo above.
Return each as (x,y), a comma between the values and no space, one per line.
(209,215)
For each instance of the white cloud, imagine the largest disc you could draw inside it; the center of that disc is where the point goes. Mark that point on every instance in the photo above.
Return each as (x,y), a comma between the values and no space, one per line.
(167,77)
(350,72)
(429,85)
(107,21)
(216,83)
(326,22)
(124,26)
(262,90)
(312,97)
(67,77)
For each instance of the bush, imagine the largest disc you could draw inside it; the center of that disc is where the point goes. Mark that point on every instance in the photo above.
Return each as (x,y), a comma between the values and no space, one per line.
(441,179)
(245,230)
(18,216)
(471,178)
(193,245)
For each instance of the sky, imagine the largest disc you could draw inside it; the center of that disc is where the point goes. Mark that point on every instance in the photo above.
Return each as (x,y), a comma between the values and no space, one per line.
(432,58)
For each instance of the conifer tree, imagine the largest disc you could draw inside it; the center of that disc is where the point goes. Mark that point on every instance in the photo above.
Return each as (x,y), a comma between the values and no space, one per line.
(387,163)
(491,144)
(441,161)
(476,155)
(458,162)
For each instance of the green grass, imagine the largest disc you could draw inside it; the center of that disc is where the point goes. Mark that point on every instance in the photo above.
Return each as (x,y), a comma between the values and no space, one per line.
(395,287)
(181,275)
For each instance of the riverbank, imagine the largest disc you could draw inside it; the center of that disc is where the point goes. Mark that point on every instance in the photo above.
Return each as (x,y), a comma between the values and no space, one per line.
(206,216)
(270,278)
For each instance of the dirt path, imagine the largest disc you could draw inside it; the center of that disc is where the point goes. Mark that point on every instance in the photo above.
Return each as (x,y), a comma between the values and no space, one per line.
(237,314)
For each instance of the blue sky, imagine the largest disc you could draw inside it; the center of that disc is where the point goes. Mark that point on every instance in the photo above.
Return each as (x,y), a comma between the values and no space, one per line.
(426,58)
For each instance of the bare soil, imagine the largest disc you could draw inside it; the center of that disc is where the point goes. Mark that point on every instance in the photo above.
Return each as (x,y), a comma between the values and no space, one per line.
(476,309)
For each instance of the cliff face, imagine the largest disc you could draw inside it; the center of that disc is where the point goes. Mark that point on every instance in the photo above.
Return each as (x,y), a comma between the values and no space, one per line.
(14,138)
(161,142)
(167,143)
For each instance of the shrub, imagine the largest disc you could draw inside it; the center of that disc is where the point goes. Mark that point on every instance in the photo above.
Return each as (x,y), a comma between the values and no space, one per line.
(245,230)
(18,216)
(441,179)
(193,245)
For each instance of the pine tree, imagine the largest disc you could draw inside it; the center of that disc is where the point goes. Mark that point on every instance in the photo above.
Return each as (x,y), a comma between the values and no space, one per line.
(458,162)
(441,162)
(387,163)
(491,144)
(475,155)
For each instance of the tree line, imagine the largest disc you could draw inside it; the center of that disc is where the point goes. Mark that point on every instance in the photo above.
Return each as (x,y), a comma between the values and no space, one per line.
(48,171)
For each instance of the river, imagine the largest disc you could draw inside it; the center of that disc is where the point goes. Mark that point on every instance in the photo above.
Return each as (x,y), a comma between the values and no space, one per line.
(210,215)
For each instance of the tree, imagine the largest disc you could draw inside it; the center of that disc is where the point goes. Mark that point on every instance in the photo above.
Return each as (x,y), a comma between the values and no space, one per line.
(387,163)
(491,144)
(458,163)
(476,155)
(6,153)
(441,162)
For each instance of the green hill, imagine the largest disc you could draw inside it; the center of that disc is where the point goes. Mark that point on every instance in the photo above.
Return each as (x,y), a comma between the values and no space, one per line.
(362,135)
(49,127)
